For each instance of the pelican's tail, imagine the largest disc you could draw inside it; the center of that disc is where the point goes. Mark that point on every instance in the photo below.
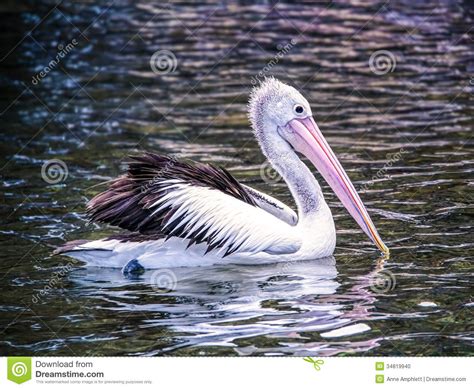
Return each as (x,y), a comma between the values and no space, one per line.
(152,252)
(73,245)
(93,252)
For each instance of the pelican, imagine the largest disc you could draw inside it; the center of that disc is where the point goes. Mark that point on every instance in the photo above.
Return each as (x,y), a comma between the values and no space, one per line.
(177,213)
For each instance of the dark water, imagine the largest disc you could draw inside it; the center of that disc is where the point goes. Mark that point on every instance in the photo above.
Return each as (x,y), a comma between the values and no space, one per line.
(403,133)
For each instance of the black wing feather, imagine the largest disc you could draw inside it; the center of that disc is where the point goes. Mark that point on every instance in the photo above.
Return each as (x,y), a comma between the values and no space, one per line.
(127,201)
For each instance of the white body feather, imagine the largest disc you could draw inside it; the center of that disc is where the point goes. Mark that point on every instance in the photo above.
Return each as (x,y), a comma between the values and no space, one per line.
(262,236)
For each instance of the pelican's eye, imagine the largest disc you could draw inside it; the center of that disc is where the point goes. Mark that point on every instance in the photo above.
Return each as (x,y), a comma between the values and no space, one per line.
(299,109)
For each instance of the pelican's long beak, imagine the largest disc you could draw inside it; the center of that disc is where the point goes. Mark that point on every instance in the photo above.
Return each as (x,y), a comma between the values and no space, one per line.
(311,143)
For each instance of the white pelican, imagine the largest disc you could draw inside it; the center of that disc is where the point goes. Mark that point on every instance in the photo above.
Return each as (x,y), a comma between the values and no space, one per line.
(181,214)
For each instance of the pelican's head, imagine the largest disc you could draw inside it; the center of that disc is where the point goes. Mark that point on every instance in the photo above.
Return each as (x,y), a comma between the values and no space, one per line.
(279,112)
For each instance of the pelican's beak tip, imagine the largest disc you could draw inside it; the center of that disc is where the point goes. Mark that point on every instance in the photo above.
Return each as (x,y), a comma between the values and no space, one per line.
(385,251)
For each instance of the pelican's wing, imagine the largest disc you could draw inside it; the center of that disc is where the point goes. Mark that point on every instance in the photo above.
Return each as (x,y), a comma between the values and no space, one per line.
(273,206)
(201,203)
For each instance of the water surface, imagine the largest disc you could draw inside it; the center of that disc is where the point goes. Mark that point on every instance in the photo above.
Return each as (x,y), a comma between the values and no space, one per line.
(402,132)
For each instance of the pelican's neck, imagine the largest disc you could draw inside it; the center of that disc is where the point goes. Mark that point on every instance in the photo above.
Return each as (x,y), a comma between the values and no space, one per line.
(303,185)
